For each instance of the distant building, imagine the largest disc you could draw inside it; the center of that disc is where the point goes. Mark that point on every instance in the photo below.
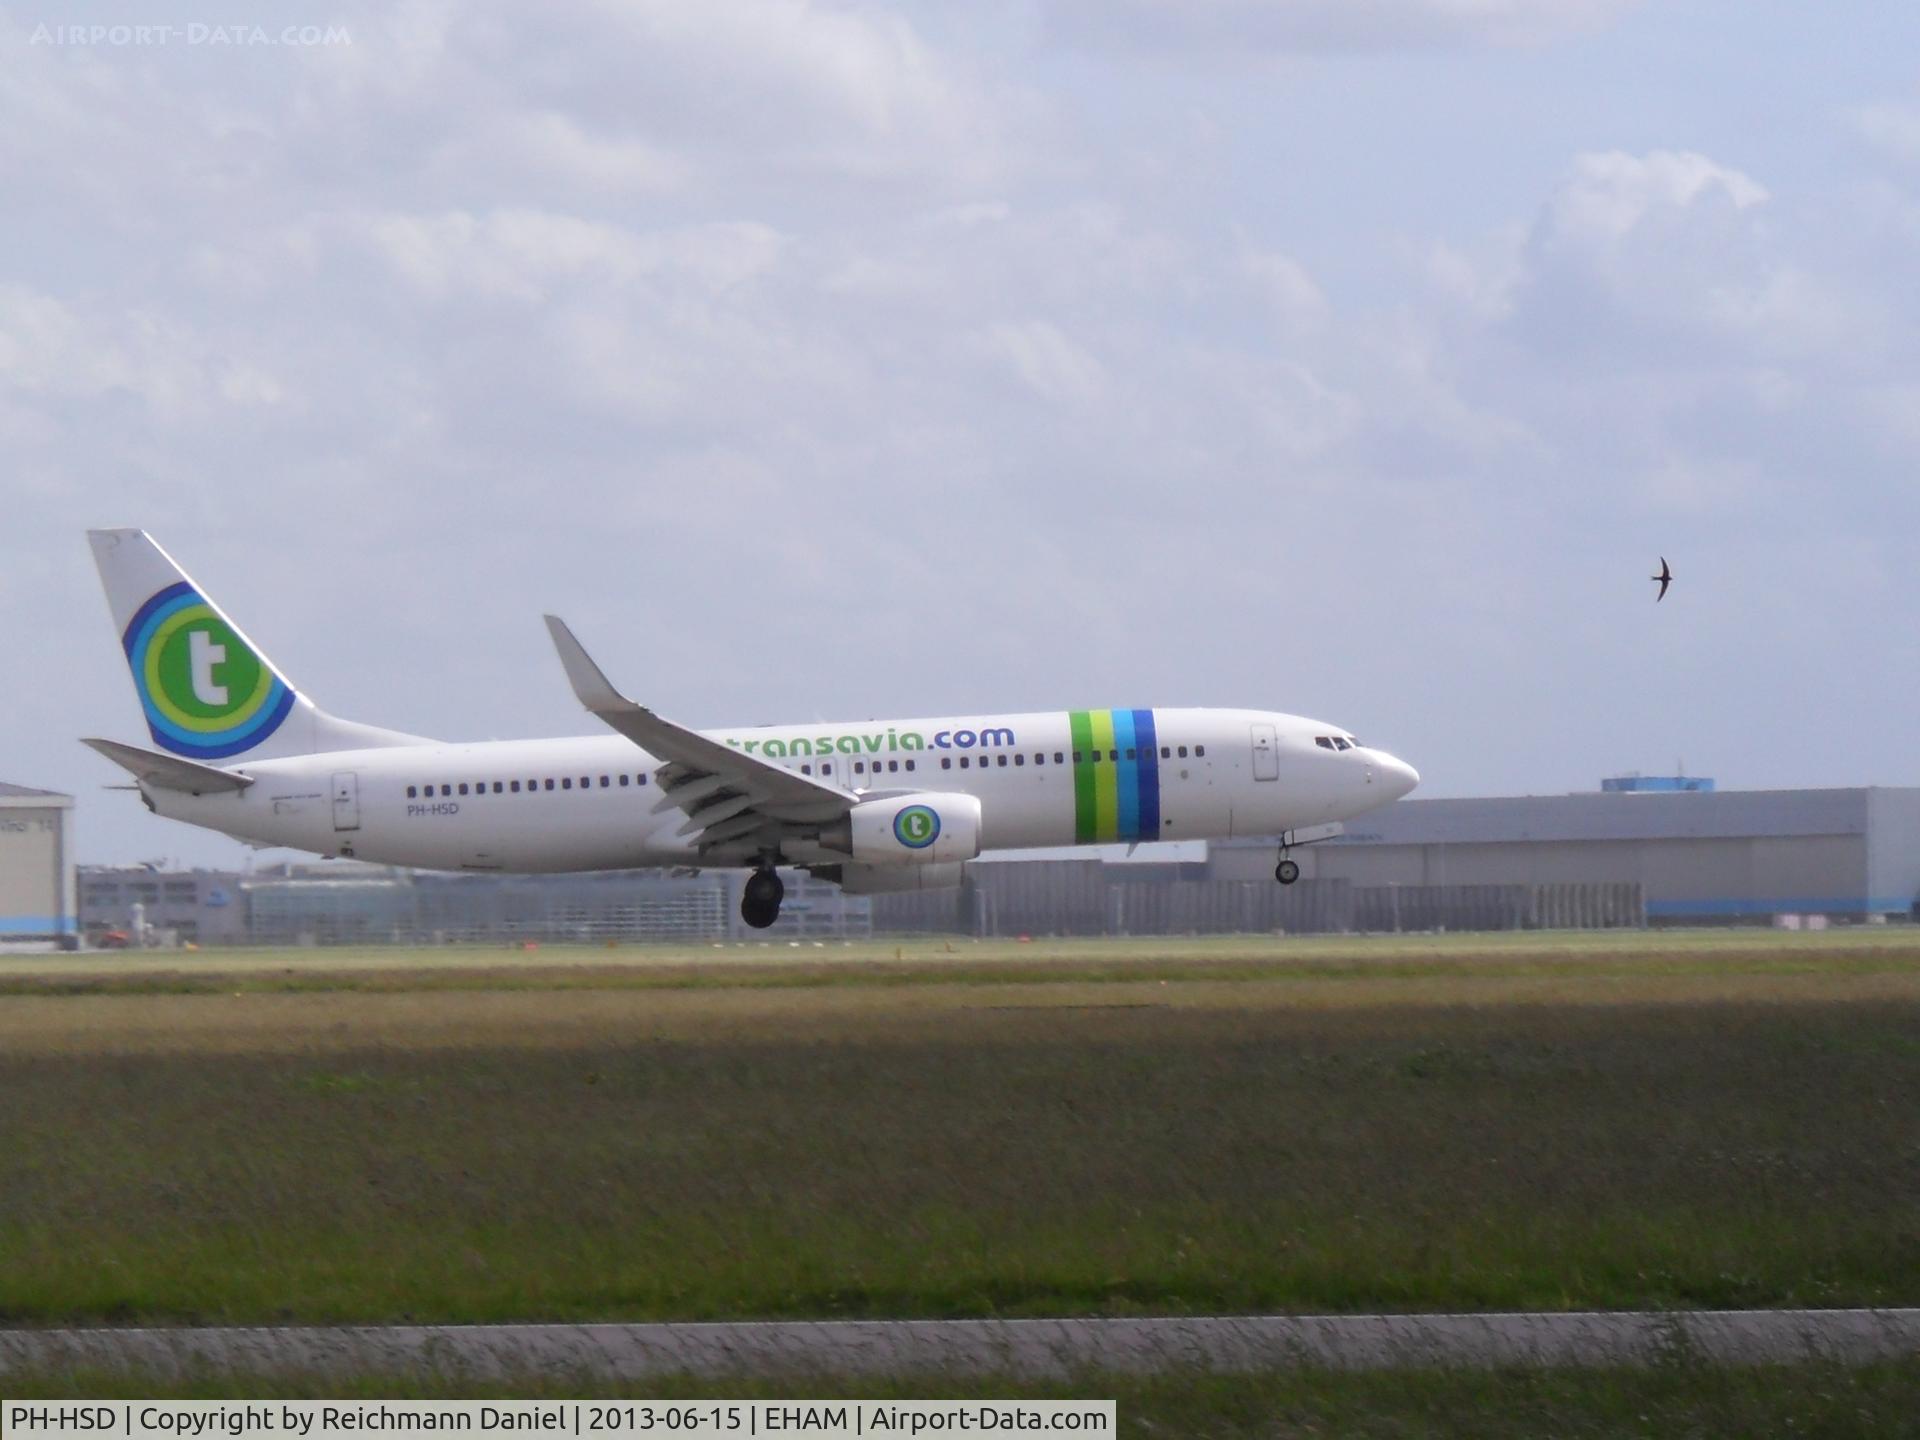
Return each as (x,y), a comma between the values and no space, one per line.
(36,871)
(167,907)
(1698,857)
(1655,784)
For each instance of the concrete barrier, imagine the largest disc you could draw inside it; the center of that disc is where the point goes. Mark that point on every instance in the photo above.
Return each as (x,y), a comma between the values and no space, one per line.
(1022,1348)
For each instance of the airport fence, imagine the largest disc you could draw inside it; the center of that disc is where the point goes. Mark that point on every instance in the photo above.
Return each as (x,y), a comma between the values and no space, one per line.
(1087,898)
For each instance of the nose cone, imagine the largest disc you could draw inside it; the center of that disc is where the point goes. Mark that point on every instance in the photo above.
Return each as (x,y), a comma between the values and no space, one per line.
(1396,775)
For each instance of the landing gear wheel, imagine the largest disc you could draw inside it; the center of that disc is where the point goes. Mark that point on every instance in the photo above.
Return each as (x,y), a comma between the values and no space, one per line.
(760,900)
(1286,872)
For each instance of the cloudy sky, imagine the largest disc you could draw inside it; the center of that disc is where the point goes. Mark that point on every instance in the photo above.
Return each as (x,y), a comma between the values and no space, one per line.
(1350,357)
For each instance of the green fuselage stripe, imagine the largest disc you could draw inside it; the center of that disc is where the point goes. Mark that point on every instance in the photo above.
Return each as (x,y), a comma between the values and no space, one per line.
(1080,724)
(1106,779)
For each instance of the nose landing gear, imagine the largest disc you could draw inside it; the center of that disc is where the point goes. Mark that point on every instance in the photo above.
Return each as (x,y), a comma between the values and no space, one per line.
(1286,872)
(760,900)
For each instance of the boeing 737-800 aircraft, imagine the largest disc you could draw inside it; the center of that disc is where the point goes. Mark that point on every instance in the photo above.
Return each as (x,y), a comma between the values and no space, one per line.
(872,806)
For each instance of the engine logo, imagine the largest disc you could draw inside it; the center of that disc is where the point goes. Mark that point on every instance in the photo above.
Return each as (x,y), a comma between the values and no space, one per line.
(917,826)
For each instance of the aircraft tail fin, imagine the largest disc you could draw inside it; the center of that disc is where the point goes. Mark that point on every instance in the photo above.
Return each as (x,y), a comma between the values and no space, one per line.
(209,693)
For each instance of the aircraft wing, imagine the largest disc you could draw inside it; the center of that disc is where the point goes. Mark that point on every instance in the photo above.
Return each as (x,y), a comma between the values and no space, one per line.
(733,801)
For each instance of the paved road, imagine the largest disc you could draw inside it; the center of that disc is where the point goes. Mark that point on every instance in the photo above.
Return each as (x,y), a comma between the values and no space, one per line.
(1035,1348)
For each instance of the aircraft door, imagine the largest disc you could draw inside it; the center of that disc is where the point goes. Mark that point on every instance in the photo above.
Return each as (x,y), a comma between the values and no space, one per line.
(1266,753)
(346,800)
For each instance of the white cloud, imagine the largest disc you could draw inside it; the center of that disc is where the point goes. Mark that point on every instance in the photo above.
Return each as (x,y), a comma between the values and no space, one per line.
(50,351)
(854,91)
(1284,284)
(554,147)
(1667,259)
(1613,193)
(524,254)
(1046,361)
(1891,126)
(1241,26)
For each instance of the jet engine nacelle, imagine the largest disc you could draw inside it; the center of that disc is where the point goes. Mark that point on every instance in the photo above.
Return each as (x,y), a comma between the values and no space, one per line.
(892,879)
(923,827)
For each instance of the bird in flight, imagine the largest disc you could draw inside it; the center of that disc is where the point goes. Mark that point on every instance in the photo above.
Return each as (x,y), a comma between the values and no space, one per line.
(1665,578)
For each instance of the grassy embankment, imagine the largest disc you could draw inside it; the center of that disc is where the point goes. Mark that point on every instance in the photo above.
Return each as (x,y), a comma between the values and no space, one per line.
(1096,1130)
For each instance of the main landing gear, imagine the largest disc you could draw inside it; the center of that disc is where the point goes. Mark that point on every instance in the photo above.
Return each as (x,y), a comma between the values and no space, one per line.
(760,900)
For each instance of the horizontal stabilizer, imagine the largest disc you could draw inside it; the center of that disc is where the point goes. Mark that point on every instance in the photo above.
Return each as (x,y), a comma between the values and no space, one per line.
(169,772)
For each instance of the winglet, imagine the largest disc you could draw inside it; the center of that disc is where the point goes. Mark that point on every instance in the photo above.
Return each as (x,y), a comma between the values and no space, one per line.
(589,682)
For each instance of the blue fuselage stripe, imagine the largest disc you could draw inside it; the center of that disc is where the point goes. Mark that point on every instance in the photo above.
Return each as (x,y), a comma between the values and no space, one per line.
(1129,774)
(1149,775)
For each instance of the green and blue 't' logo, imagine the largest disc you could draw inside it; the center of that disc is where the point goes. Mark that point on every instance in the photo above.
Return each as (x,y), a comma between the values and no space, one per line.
(206,694)
(917,826)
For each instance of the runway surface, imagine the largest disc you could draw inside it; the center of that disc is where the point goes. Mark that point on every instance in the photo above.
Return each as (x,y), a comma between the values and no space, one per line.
(1025,1348)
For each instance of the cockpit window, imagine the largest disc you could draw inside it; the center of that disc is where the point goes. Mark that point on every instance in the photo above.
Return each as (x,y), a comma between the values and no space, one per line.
(1340,744)
(1325,742)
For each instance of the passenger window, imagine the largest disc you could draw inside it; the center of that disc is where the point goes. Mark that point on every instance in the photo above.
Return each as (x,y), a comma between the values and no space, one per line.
(1003,762)
(499,788)
(566,782)
(909,764)
(1183,752)
(946,762)
(1113,755)
(624,779)
(549,784)
(604,781)
(412,792)
(1166,752)
(1131,753)
(893,765)
(514,786)
(1040,757)
(826,767)
(586,781)
(1019,759)
(859,767)
(806,769)
(1076,757)
(1059,757)
(963,762)
(1200,752)
(641,778)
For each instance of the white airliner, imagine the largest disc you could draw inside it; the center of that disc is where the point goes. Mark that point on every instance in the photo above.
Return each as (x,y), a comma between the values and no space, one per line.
(872,806)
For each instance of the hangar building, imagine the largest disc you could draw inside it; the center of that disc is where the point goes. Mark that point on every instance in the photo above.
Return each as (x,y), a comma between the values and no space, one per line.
(1698,856)
(36,869)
